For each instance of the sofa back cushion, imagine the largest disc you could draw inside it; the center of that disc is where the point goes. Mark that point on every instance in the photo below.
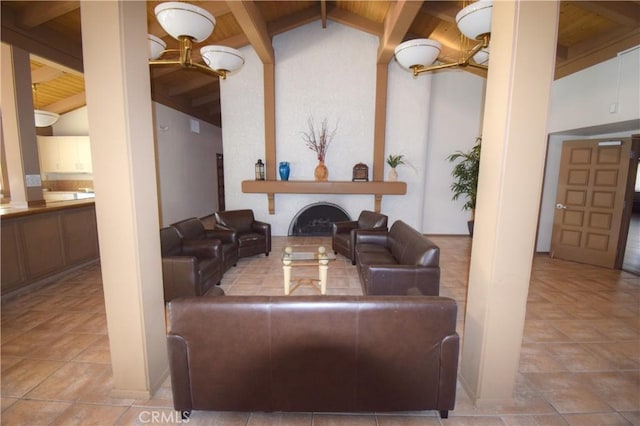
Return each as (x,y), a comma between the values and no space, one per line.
(170,242)
(306,353)
(410,247)
(369,219)
(239,220)
(190,229)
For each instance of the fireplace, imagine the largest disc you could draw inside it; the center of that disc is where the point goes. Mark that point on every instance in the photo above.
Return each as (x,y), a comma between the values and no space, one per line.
(317,219)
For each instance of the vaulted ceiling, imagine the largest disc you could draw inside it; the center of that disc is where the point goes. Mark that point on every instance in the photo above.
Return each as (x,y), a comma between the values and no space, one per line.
(589,32)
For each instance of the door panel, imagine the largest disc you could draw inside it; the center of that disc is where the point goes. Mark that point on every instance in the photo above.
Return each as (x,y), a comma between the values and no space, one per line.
(590,201)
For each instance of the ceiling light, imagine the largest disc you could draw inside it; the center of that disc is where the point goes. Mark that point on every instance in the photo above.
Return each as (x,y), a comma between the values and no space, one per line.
(474,21)
(45,118)
(188,24)
(41,117)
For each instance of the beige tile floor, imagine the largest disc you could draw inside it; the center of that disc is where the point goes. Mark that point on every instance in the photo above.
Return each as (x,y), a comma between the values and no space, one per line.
(580,360)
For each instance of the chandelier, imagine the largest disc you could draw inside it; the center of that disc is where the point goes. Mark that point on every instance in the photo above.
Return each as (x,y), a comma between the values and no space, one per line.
(474,21)
(42,118)
(191,24)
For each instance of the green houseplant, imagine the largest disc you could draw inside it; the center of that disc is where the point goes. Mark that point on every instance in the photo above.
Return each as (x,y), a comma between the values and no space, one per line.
(465,173)
(394,161)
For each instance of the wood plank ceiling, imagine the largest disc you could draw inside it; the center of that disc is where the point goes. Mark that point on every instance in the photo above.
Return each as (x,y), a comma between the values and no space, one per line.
(589,32)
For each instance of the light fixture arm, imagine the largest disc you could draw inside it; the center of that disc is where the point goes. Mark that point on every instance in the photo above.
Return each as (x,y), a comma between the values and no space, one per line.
(464,62)
(184,60)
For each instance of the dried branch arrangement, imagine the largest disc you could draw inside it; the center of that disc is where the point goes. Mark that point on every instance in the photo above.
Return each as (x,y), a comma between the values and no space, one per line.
(321,143)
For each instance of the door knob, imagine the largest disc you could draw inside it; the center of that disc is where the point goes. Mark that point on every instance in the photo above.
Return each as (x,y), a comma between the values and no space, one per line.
(560,206)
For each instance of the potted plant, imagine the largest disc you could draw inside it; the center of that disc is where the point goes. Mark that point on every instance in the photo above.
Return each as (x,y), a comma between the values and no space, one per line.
(465,173)
(394,161)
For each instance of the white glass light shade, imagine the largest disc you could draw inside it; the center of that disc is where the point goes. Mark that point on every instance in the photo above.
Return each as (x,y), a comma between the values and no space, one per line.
(45,118)
(222,58)
(482,57)
(184,19)
(475,19)
(420,51)
(156,46)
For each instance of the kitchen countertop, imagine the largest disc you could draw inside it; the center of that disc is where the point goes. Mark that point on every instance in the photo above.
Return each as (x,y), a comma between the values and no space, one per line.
(7,211)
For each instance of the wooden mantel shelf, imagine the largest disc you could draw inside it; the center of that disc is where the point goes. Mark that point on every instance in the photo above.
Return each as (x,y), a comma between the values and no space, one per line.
(271,187)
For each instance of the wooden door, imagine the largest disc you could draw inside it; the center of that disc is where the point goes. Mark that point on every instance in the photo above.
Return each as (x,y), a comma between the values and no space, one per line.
(220,171)
(590,201)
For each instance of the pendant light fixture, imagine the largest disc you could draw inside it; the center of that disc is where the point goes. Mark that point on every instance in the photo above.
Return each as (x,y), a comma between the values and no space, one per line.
(42,118)
(190,24)
(474,21)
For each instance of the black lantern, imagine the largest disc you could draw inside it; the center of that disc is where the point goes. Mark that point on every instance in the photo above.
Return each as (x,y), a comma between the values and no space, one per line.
(259,170)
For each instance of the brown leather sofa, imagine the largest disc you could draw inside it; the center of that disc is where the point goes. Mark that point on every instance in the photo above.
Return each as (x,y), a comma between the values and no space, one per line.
(193,229)
(399,262)
(343,234)
(253,236)
(189,268)
(311,354)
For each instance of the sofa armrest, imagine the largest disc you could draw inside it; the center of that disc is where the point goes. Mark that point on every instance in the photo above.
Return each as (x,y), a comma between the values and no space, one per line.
(371,236)
(401,280)
(202,249)
(261,227)
(223,234)
(449,350)
(343,227)
(179,276)
(180,377)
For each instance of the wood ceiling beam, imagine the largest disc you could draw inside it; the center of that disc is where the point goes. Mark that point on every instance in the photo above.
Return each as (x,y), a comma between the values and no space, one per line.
(194,82)
(68,104)
(355,21)
(443,10)
(295,20)
(158,94)
(254,26)
(396,24)
(211,97)
(596,50)
(44,11)
(323,13)
(621,12)
(45,73)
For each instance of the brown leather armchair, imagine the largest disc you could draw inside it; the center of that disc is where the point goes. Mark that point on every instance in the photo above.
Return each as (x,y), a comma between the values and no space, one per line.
(189,268)
(193,229)
(344,233)
(253,236)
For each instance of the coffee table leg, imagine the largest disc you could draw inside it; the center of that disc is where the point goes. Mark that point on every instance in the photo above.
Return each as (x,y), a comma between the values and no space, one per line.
(322,269)
(286,268)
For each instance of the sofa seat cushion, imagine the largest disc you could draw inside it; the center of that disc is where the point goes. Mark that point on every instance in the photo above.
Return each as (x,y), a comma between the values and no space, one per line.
(251,239)
(376,258)
(371,248)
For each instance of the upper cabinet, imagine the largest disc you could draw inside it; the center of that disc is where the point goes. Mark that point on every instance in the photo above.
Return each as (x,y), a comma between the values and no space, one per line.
(65,154)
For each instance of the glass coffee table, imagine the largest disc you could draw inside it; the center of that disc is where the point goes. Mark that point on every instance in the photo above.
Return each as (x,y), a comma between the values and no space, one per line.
(306,256)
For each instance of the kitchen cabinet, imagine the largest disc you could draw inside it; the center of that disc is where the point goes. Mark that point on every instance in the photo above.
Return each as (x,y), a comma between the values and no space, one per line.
(65,154)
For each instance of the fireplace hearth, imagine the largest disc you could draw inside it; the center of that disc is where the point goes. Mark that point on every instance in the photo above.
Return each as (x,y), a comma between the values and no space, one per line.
(316,219)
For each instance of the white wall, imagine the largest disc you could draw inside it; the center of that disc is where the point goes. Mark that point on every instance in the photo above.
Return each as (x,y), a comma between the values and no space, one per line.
(580,109)
(456,118)
(186,161)
(186,165)
(310,81)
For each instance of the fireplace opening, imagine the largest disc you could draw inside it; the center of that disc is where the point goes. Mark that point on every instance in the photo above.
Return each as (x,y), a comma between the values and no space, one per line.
(317,219)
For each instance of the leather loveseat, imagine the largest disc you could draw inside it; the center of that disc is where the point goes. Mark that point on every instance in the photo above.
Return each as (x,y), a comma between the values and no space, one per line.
(401,261)
(304,353)
(253,236)
(189,268)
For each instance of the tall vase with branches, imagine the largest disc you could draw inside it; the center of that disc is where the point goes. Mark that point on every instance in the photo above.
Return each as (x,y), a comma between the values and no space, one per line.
(319,144)
(465,173)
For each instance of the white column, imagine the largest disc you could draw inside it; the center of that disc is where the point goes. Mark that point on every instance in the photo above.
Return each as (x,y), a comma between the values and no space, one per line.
(121,128)
(523,40)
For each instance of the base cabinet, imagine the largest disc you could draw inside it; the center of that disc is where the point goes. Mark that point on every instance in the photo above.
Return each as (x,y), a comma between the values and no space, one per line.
(41,245)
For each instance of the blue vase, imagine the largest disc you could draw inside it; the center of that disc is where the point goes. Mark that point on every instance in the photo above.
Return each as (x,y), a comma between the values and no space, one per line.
(284,170)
